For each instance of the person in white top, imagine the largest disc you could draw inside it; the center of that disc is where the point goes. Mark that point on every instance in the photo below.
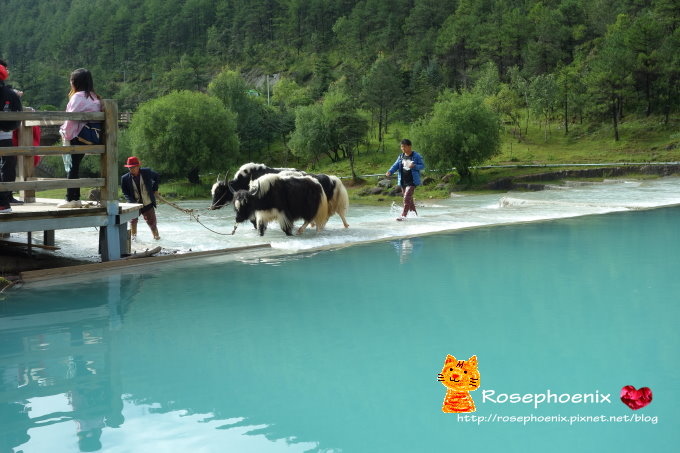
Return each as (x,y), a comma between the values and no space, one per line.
(82,98)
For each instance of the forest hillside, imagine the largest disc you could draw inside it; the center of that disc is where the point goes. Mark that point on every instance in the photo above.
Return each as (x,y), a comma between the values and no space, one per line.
(358,66)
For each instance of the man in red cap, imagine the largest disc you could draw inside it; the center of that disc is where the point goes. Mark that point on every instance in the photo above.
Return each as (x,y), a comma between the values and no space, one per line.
(140,185)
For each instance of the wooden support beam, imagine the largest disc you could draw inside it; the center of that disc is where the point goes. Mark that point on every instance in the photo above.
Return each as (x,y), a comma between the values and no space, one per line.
(109,160)
(6,242)
(48,237)
(25,164)
(52,117)
(148,262)
(49,184)
(54,223)
(51,150)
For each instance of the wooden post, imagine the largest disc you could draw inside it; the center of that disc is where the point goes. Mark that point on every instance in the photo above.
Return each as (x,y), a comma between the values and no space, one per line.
(48,237)
(110,235)
(25,163)
(109,160)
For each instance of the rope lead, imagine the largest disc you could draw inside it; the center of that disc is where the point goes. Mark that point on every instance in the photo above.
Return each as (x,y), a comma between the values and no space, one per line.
(194,216)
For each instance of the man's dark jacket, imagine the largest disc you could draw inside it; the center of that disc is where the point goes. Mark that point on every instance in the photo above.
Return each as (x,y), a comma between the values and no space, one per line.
(151,180)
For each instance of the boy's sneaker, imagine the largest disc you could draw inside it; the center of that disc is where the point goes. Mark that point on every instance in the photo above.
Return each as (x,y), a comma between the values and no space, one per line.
(70,204)
(401,218)
(15,201)
(5,209)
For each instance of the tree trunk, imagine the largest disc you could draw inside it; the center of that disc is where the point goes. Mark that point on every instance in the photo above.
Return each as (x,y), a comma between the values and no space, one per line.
(566,116)
(386,121)
(351,165)
(380,128)
(615,115)
(526,129)
(648,93)
(192,176)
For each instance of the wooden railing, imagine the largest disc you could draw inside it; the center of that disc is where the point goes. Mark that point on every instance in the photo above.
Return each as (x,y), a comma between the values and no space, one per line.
(108,152)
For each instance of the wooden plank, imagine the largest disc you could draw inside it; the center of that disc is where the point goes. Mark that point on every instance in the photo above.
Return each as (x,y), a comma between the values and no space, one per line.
(20,212)
(109,160)
(49,184)
(25,165)
(129,207)
(5,242)
(53,223)
(51,150)
(61,272)
(126,217)
(144,254)
(51,116)
(43,123)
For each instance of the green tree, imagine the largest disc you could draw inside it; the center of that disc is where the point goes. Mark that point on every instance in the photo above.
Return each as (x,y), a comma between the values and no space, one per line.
(643,39)
(425,83)
(346,126)
(460,132)
(309,140)
(571,92)
(610,77)
(547,48)
(670,74)
(520,85)
(487,82)
(332,127)
(184,132)
(381,92)
(507,104)
(322,75)
(543,98)
(253,123)
(288,94)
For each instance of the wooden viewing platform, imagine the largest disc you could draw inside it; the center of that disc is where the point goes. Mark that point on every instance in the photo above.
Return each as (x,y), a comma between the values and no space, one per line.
(42,214)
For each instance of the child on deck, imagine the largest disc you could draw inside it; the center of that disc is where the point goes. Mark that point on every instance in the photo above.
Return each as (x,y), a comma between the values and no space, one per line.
(82,98)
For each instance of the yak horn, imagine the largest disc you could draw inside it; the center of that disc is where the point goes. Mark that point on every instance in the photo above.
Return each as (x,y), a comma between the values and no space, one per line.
(231,189)
(255,190)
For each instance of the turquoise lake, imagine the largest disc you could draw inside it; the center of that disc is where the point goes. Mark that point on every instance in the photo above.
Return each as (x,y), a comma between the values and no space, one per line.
(339,350)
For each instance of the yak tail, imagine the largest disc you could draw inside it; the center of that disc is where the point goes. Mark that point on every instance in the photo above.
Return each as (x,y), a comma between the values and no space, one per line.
(321,217)
(340,201)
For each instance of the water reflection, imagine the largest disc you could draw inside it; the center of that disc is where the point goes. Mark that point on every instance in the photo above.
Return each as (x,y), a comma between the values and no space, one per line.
(59,365)
(339,351)
(79,373)
(405,248)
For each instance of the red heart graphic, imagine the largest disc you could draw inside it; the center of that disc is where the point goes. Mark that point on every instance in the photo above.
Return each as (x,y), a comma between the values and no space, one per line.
(636,399)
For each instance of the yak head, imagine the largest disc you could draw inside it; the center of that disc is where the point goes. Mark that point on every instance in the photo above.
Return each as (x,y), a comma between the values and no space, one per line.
(243,205)
(222,193)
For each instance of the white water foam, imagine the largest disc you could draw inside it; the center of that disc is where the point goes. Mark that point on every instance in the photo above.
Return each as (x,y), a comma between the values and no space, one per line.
(181,234)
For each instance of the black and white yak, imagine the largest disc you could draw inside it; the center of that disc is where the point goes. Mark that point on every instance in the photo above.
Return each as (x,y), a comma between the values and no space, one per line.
(336,194)
(338,200)
(284,198)
(221,192)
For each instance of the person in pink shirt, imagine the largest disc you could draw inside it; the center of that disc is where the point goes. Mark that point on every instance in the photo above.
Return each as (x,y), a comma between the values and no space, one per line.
(82,98)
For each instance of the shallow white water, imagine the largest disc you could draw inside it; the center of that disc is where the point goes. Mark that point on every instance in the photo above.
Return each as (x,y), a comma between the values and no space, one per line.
(181,234)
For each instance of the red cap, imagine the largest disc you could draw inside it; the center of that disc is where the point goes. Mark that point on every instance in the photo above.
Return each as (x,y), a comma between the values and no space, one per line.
(132,162)
(4,73)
